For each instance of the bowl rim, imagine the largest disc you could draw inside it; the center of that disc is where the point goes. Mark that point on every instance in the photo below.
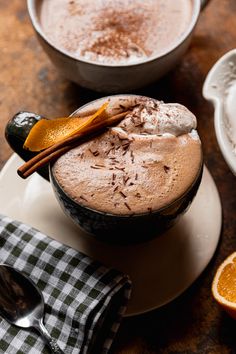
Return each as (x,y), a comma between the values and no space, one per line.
(57,185)
(31,5)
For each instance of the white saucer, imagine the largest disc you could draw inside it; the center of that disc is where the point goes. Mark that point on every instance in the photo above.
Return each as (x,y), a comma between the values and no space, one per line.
(160,269)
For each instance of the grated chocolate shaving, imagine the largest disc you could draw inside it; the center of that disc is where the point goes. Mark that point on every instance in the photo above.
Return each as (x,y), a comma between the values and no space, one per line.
(94,153)
(108,151)
(98,165)
(125,179)
(127,206)
(166,168)
(125,144)
(120,168)
(83,198)
(132,156)
(122,194)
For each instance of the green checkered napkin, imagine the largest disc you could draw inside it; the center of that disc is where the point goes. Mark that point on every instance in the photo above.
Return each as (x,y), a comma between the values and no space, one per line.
(84,301)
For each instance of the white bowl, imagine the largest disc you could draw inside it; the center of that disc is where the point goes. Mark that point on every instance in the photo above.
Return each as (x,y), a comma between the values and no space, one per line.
(113,78)
(220,89)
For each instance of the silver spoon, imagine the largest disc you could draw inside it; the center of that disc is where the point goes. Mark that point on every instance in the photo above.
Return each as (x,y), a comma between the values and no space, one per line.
(22,304)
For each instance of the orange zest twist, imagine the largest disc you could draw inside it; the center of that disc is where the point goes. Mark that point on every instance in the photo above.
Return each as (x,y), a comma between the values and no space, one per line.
(46,133)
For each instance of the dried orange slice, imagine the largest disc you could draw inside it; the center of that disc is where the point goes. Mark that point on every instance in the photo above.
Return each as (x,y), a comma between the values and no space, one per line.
(46,133)
(224,285)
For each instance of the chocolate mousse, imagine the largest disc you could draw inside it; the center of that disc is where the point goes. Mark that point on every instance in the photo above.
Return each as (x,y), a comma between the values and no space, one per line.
(146,162)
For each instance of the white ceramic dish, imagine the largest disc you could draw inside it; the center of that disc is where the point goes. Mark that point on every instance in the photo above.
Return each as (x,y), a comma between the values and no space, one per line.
(113,78)
(160,269)
(220,89)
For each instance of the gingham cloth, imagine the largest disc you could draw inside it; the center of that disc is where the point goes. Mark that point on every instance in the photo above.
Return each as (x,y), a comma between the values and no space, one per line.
(84,300)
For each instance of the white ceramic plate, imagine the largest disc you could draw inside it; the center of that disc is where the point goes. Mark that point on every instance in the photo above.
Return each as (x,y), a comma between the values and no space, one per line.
(220,88)
(160,269)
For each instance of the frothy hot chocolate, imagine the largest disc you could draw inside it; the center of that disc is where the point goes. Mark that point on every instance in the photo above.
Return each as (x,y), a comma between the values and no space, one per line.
(115,31)
(143,164)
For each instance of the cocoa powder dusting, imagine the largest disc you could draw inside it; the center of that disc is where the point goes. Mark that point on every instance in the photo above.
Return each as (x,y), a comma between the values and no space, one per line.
(115,31)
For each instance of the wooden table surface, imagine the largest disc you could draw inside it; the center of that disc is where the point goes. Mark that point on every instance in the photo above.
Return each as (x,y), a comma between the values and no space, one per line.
(193,323)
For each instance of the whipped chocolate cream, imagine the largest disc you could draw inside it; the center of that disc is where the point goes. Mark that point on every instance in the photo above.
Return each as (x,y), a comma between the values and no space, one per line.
(115,31)
(143,164)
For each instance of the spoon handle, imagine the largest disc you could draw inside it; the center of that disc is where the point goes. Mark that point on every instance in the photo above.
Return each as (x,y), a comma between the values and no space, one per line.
(50,341)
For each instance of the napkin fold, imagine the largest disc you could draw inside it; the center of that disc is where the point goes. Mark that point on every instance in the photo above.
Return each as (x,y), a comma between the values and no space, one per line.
(84,300)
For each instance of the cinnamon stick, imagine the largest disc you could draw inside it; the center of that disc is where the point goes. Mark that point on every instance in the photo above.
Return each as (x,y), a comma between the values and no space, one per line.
(56,150)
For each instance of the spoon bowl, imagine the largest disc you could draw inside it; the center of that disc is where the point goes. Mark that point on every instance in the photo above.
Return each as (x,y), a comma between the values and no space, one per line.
(220,89)
(22,303)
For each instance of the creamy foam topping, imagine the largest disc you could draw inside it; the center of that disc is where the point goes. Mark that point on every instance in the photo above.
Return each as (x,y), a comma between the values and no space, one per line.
(152,118)
(115,31)
(146,162)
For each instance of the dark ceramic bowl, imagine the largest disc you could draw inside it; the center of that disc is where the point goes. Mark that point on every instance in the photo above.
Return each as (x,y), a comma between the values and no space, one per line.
(117,229)
(122,228)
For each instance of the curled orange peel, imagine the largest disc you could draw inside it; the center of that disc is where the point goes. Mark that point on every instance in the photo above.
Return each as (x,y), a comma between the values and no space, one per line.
(46,133)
